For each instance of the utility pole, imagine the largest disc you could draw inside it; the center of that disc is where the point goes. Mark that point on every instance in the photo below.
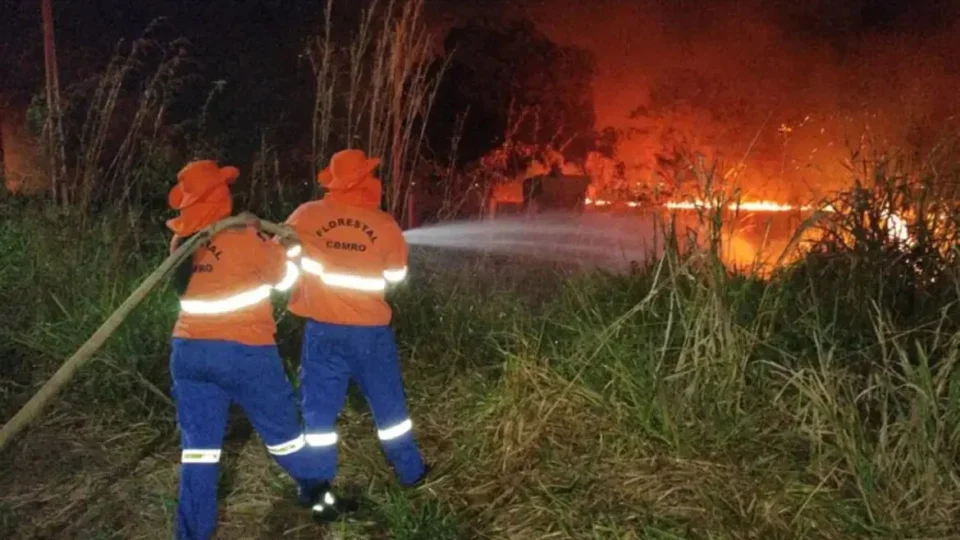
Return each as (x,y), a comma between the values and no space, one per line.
(52,127)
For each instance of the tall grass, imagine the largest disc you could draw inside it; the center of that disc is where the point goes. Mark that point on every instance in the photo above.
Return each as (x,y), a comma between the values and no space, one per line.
(683,401)
(115,132)
(377,92)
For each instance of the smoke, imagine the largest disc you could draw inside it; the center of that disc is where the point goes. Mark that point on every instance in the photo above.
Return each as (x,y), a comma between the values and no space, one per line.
(789,86)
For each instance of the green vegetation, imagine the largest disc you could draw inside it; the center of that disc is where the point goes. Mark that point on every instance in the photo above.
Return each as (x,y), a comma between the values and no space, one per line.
(679,402)
(682,401)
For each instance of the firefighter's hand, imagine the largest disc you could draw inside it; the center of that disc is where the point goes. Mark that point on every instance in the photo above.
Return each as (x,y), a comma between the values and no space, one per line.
(287,236)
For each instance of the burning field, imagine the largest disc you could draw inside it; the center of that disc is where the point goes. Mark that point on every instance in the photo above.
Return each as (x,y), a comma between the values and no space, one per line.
(679,400)
(744,324)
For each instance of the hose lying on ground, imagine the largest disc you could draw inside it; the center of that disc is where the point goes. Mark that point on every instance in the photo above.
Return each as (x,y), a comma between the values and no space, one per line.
(33,408)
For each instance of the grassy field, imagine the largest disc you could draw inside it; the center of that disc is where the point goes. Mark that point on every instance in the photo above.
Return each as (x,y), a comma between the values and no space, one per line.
(679,402)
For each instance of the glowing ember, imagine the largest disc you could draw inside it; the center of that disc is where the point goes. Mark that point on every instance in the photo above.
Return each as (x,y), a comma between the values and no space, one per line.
(897,225)
(749,206)
(684,206)
(897,229)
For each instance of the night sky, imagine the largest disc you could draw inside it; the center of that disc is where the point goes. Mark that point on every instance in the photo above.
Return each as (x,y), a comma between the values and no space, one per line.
(218,27)
(776,61)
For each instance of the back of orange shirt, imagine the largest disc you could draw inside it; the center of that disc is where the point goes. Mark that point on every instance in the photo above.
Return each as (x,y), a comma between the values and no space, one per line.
(228,297)
(350,254)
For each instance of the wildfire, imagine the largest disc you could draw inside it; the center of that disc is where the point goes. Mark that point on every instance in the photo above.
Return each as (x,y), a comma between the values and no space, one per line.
(897,229)
(896,225)
(749,206)
(600,202)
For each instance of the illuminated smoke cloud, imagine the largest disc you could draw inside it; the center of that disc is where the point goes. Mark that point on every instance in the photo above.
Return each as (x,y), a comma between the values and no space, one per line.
(789,86)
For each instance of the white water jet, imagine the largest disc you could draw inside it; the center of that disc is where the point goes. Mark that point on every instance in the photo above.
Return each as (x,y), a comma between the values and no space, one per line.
(598,240)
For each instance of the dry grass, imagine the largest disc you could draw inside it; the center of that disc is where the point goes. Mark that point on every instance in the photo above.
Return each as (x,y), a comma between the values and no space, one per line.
(114,124)
(680,402)
(524,453)
(377,92)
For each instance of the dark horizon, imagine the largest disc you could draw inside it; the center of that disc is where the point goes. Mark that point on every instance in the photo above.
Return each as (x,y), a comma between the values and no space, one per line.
(718,72)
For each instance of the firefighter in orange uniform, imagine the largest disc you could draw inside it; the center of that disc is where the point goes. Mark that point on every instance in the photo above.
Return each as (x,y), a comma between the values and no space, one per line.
(351,251)
(224,350)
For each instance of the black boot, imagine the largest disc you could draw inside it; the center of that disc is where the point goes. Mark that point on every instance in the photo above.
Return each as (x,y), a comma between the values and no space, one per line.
(325,506)
(306,495)
(331,507)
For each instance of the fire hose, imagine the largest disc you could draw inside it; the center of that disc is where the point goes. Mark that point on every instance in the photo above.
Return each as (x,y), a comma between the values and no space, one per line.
(36,405)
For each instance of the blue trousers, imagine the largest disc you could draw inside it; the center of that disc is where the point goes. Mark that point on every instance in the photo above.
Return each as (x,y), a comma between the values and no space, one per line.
(332,356)
(207,377)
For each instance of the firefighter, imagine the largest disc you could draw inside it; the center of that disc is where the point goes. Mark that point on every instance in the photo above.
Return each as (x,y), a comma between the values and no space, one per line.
(223,348)
(351,252)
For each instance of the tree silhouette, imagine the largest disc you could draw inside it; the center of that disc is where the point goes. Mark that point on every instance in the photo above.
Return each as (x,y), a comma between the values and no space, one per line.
(500,72)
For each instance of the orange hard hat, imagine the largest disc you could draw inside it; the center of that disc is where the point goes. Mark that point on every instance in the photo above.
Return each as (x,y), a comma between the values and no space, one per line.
(325,177)
(199,181)
(346,169)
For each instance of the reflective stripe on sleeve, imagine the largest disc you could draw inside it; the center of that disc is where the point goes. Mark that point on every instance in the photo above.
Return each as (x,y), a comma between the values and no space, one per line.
(395,276)
(294,251)
(288,447)
(200,456)
(393,432)
(322,439)
(357,283)
(311,266)
(289,278)
(228,304)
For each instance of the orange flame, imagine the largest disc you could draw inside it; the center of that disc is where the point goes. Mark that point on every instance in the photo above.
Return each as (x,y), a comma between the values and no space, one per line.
(749,206)
(897,226)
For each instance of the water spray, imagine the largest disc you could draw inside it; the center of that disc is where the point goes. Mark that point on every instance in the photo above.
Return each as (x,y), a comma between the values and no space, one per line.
(607,241)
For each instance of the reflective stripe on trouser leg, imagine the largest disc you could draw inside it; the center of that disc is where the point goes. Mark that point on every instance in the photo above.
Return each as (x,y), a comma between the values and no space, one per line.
(266,395)
(379,376)
(401,450)
(321,451)
(395,431)
(289,447)
(202,408)
(197,504)
(295,458)
(324,377)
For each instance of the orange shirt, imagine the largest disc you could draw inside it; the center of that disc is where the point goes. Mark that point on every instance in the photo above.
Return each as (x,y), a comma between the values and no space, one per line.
(228,297)
(350,255)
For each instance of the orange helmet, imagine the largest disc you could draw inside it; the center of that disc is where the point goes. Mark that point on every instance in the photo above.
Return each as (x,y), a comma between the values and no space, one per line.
(201,181)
